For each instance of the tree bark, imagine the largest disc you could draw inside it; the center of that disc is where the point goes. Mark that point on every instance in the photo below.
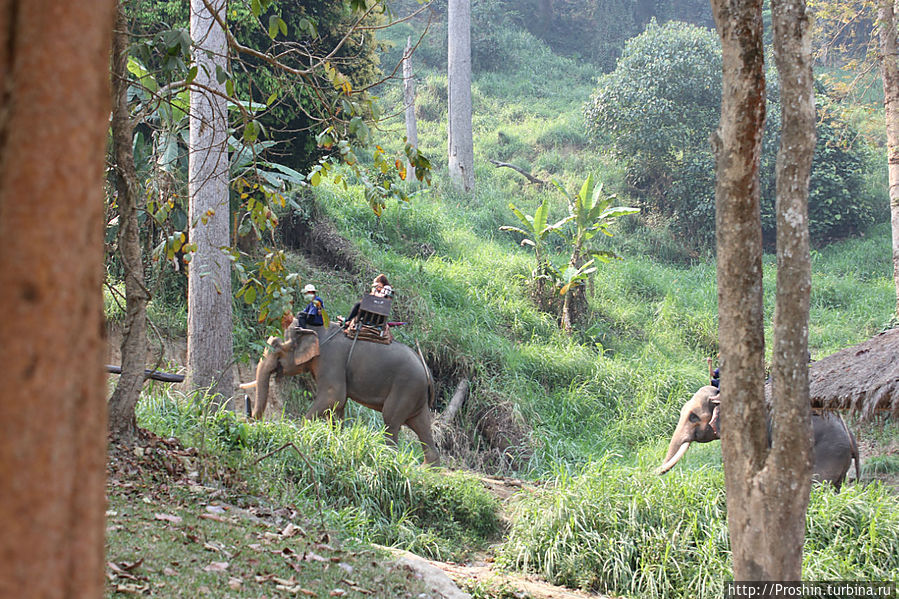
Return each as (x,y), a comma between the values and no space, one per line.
(785,482)
(461,143)
(54,110)
(122,424)
(209,331)
(409,102)
(767,490)
(739,246)
(889,69)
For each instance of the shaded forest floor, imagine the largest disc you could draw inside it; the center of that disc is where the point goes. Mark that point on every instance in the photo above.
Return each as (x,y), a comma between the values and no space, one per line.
(181,525)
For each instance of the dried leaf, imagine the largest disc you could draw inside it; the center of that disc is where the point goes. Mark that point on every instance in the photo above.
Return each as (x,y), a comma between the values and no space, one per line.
(314,557)
(216,509)
(168,518)
(214,517)
(235,583)
(216,567)
(290,530)
(169,571)
(337,593)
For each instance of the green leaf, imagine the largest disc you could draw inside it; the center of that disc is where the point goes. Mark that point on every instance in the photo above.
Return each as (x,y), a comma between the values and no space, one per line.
(273,26)
(221,75)
(250,296)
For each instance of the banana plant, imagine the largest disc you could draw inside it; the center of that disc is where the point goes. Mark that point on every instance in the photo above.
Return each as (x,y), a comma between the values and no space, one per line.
(536,230)
(590,211)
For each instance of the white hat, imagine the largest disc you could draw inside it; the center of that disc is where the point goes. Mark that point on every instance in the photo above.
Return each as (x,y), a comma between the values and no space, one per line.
(310,288)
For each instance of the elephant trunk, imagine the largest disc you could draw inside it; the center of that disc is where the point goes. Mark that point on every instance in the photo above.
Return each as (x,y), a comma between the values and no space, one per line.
(676,450)
(263,373)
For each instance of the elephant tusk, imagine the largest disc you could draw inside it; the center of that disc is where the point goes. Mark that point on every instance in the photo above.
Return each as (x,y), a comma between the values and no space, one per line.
(249,385)
(668,465)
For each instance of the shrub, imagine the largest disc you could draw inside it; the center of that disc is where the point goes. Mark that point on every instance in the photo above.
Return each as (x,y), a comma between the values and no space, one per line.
(674,70)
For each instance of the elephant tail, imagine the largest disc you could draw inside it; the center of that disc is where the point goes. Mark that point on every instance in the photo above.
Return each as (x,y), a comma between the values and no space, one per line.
(856,458)
(431,387)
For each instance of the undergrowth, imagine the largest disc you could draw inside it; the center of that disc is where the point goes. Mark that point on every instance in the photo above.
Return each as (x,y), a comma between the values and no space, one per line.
(624,530)
(365,488)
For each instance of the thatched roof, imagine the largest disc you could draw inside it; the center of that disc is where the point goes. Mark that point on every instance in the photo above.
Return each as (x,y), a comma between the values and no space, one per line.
(863,378)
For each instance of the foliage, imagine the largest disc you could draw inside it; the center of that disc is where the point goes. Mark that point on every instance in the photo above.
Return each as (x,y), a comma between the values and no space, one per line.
(675,69)
(590,211)
(375,492)
(624,530)
(536,230)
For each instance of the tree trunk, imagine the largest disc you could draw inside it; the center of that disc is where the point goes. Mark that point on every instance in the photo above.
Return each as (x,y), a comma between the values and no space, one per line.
(409,102)
(886,14)
(461,144)
(122,425)
(209,336)
(54,111)
(767,490)
(785,482)
(739,246)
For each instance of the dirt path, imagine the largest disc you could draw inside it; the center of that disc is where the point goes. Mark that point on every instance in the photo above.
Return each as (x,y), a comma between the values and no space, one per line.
(480,571)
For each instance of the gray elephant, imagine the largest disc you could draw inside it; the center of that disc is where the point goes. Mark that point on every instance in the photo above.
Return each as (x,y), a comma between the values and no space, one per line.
(392,379)
(833,450)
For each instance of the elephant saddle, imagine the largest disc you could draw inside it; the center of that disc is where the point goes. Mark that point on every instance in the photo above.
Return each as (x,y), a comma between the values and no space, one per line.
(364,332)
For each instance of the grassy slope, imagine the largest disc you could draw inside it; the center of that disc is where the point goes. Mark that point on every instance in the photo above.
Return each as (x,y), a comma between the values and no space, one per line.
(617,385)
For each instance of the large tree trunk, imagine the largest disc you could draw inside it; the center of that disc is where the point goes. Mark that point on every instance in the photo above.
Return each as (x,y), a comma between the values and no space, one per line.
(886,14)
(409,101)
(122,425)
(739,245)
(209,336)
(54,110)
(767,490)
(461,144)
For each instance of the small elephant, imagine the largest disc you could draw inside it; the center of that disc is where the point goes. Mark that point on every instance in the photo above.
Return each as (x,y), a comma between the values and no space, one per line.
(833,445)
(392,379)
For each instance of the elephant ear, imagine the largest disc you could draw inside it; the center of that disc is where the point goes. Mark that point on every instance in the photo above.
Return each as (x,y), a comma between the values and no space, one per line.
(308,347)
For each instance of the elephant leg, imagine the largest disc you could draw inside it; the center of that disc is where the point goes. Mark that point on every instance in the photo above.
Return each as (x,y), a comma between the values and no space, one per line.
(421,425)
(392,432)
(330,398)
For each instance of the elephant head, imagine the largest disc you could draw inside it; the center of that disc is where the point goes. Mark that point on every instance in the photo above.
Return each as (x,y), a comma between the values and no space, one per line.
(295,355)
(699,422)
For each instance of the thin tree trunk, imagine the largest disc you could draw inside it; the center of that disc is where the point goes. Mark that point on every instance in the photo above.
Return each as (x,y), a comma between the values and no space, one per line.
(739,244)
(54,111)
(409,101)
(461,144)
(886,14)
(122,425)
(209,333)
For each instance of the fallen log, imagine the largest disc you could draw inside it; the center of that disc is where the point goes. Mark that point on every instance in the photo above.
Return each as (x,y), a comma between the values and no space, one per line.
(456,402)
(165,377)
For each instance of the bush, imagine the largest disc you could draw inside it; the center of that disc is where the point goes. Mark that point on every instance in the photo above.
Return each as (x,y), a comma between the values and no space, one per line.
(675,69)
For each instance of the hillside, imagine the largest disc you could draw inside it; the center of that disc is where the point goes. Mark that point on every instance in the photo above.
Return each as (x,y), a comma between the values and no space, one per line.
(585,418)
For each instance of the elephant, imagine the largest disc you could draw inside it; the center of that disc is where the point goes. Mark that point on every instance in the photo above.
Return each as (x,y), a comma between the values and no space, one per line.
(833,450)
(392,379)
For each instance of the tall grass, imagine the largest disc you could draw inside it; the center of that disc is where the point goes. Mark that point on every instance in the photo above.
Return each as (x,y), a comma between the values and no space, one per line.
(367,489)
(623,530)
